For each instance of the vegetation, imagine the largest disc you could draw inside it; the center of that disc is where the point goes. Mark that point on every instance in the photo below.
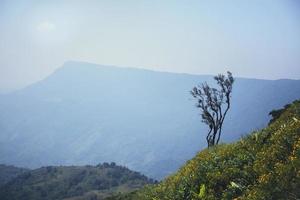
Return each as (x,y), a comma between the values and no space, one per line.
(210,102)
(74,182)
(264,165)
(8,172)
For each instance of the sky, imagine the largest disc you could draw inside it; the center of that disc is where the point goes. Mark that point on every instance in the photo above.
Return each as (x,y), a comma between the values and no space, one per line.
(250,38)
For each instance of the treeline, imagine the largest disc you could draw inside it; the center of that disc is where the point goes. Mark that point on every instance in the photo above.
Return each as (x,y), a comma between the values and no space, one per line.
(84,182)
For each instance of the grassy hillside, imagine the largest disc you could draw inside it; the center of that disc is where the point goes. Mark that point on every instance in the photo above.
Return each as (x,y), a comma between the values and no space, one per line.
(8,172)
(264,165)
(73,182)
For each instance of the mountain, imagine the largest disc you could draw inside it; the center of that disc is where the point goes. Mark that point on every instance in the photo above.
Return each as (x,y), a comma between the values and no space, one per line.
(85,114)
(262,165)
(73,182)
(7,173)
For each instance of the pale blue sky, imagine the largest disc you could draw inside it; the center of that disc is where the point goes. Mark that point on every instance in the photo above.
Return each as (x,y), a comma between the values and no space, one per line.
(251,38)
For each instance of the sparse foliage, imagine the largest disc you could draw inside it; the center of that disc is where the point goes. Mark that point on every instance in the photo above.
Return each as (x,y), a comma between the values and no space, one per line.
(214,105)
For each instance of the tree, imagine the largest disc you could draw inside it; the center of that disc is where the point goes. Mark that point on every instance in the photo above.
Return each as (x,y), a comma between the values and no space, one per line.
(214,105)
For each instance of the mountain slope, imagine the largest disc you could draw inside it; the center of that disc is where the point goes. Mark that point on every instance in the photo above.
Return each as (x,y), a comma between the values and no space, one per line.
(74,182)
(86,114)
(263,165)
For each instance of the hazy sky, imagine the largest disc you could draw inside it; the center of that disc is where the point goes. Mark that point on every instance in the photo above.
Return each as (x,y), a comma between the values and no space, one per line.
(251,38)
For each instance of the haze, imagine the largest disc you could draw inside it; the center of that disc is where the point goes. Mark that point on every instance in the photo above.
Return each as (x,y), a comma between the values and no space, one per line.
(258,39)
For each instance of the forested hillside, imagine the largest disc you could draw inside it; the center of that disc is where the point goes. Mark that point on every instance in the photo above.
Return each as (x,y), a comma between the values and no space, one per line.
(263,165)
(73,182)
(8,172)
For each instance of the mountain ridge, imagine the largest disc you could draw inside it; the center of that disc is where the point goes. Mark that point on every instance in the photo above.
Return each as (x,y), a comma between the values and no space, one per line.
(139,118)
(71,63)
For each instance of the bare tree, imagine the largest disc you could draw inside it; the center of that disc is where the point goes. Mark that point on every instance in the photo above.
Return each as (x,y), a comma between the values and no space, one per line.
(214,104)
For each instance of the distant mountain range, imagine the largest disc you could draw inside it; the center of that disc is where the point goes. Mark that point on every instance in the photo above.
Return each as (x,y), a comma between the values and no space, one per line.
(85,114)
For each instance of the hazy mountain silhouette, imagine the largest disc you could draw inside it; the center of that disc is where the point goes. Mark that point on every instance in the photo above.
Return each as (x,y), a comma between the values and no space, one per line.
(85,114)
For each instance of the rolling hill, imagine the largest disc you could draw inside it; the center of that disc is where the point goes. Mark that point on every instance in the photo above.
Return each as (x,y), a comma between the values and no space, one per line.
(73,183)
(7,173)
(85,114)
